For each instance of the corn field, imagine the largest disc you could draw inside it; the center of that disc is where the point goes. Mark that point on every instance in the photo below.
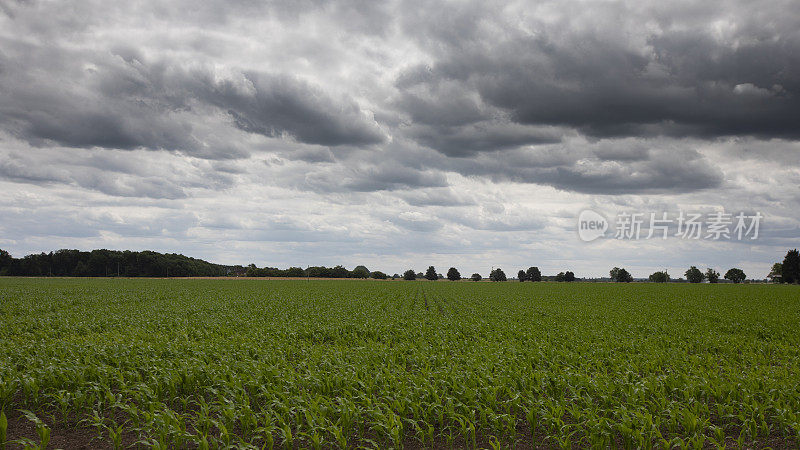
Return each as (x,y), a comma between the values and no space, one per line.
(349,364)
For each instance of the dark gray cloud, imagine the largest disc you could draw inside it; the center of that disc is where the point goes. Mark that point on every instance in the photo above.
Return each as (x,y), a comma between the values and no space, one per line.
(449,117)
(490,82)
(118,100)
(678,82)
(56,97)
(281,105)
(467,140)
(609,167)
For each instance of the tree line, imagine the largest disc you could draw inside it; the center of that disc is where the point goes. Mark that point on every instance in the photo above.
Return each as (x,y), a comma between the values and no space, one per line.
(109,263)
(496,274)
(315,272)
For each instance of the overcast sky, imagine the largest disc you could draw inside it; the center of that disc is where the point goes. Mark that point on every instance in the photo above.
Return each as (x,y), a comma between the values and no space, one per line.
(398,135)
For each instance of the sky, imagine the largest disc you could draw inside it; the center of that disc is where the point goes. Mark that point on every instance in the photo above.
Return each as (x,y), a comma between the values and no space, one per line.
(400,134)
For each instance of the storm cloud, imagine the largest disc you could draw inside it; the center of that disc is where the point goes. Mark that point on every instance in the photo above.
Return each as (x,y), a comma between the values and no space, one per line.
(359,129)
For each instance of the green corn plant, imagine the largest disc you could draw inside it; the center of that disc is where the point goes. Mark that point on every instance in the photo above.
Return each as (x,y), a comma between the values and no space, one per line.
(339,436)
(115,434)
(41,429)
(288,439)
(3,430)
(494,443)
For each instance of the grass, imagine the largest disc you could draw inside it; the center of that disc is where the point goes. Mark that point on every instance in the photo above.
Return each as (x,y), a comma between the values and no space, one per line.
(321,364)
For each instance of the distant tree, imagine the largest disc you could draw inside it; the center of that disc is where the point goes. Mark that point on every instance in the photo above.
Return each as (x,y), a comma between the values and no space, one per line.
(360,272)
(318,272)
(521,276)
(560,276)
(736,275)
(453,274)
(790,269)
(5,262)
(533,274)
(776,274)
(252,270)
(378,275)
(395,276)
(339,272)
(420,275)
(439,276)
(659,277)
(620,275)
(625,277)
(569,276)
(430,274)
(409,275)
(295,272)
(712,275)
(497,275)
(476,277)
(694,275)
(82,270)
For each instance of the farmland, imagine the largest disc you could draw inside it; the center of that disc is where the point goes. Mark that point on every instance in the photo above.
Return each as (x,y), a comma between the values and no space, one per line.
(328,364)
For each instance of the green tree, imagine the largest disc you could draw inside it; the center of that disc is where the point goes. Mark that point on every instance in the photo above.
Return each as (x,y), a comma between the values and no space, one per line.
(659,277)
(430,274)
(295,272)
(5,262)
(561,276)
(533,274)
(339,272)
(521,276)
(476,277)
(776,274)
(569,276)
(360,272)
(712,275)
(736,275)
(620,275)
(409,275)
(790,269)
(694,275)
(82,269)
(378,275)
(624,276)
(497,275)
(453,274)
